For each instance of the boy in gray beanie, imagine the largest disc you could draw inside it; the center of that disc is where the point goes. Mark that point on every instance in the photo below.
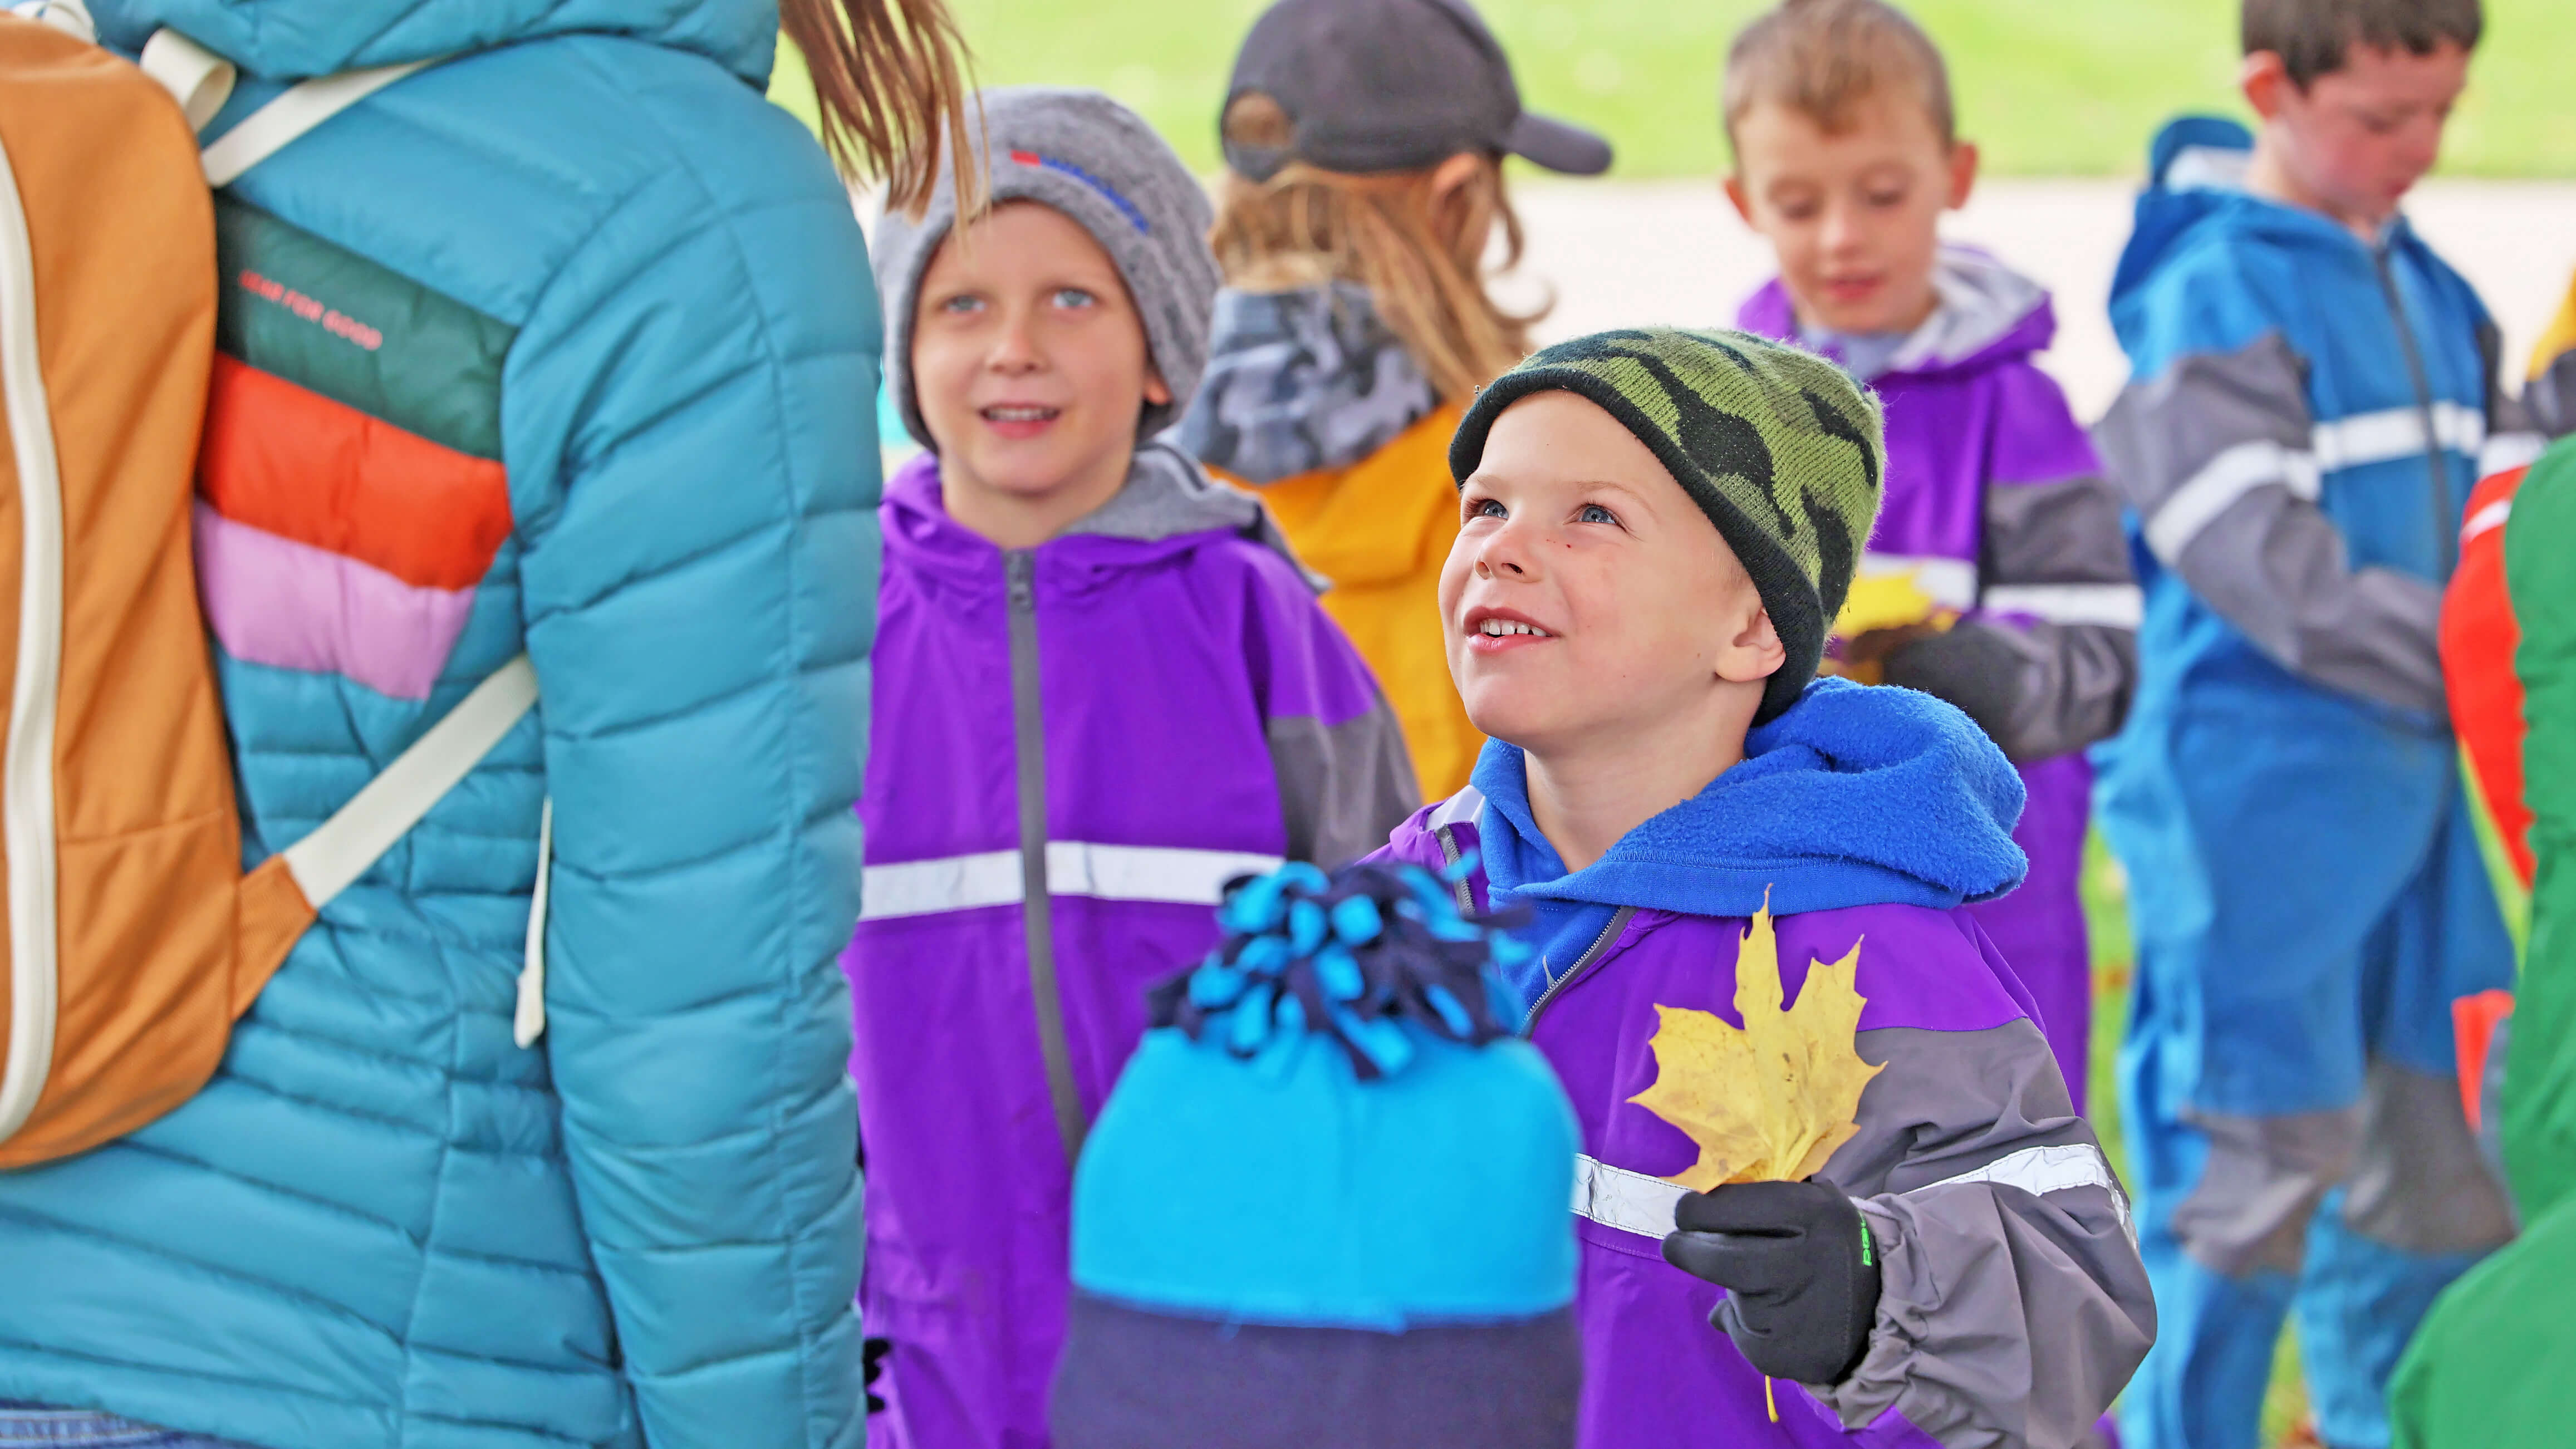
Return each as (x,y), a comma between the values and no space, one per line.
(1102,690)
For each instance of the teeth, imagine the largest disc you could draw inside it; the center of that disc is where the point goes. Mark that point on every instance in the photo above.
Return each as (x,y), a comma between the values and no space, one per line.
(1497,628)
(1018,415)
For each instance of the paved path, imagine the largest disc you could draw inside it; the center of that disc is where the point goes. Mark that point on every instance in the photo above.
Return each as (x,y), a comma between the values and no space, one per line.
(1628,252)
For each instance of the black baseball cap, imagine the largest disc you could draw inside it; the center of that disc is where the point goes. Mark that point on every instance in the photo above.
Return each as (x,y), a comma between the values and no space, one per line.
(1392,85)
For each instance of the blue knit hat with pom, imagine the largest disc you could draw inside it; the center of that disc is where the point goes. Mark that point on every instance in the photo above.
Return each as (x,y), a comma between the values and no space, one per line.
(1326,1204)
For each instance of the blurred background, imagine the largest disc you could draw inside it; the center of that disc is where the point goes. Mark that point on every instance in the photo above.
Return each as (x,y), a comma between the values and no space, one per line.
(2061,96)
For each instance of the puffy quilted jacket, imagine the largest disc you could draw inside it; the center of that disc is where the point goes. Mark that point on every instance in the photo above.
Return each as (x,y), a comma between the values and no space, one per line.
(601,396)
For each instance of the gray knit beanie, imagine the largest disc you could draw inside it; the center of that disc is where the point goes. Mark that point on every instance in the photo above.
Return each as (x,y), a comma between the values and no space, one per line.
(1097,162)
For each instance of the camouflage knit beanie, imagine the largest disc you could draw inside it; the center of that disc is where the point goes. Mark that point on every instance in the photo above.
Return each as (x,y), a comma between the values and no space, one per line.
(1780,448)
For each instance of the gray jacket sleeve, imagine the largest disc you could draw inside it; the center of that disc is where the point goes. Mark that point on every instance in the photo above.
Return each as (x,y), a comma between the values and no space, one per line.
(2215,457)
(1343,788)
(2549,400)
(2050,667)
(2013,1304)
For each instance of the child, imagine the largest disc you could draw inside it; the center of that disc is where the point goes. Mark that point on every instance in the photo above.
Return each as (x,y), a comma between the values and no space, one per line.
(1103,689)
(1363,144)
(1658,527)
(1997,516)
(2310,386)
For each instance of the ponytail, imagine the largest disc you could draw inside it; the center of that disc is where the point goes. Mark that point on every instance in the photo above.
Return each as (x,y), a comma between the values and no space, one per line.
(1419,253)
(889,76)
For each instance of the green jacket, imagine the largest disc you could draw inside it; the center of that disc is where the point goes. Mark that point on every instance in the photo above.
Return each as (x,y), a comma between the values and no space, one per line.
(2488,1366)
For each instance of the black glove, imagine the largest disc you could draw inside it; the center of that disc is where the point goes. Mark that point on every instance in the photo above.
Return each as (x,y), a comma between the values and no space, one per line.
(872,1352)
(1799,1269)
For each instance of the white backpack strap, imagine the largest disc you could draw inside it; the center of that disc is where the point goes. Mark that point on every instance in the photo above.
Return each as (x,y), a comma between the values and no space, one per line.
(197,78)
(529,1021)
(202,81)
(341,848)
(297,110)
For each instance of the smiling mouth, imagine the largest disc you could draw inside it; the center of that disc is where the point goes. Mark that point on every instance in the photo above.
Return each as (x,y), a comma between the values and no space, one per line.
(1500,628)
(1014,413)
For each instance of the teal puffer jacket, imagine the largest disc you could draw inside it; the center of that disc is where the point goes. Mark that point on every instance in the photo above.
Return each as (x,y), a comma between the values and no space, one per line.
(584,249)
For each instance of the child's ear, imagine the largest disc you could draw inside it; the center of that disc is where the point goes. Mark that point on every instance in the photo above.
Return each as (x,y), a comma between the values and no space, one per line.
(1963,172)
(1452,174)
(1157,391)
(1734,188)
(2265,80)
(1755,652)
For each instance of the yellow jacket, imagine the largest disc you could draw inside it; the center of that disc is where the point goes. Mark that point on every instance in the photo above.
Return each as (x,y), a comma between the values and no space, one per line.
(1380,529)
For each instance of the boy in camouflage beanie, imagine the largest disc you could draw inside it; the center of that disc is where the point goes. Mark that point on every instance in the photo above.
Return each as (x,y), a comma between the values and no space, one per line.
(1655,528)
(1780,448)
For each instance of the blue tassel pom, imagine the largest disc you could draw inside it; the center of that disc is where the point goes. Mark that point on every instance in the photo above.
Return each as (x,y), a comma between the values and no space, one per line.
(1346,956)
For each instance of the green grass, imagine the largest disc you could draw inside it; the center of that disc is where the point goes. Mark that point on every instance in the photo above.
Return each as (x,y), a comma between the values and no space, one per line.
(2048,87)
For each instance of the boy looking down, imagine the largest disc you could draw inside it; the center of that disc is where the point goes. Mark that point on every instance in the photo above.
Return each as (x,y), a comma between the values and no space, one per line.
(1998,576)
(2311,387)
(1657,527)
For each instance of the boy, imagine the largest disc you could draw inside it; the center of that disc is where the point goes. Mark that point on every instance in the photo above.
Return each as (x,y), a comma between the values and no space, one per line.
(1103,689)
(2310,390)
(1998,578)
(1658,526)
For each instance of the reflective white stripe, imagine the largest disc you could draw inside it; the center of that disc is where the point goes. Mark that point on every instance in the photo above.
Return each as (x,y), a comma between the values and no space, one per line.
(2219,483)
(1464,808)
(2510,450)
(1632,1202)
(2120,606)
(341,848)
(928,887)
(1147,872)
(2042,1170)
(529,1021)
(2395,433)
(296,110)
(2486,520)
(1074,868)
(1949,582)
(27,757)
(197,78)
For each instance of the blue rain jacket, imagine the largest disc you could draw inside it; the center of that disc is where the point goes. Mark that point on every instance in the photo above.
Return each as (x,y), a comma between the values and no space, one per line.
(384,1223)
(2297,445)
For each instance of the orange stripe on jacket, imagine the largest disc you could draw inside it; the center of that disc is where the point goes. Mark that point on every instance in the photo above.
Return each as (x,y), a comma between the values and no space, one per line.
(294,463)
(2479,635)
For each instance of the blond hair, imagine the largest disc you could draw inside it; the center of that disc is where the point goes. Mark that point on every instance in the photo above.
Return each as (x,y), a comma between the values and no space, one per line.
(889,76)
(1822,57)
(1418,253)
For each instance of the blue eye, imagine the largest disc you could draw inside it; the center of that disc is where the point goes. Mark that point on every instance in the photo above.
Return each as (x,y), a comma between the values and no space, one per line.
(1595,513)
(1073,297)
(1487,508)
(961,305)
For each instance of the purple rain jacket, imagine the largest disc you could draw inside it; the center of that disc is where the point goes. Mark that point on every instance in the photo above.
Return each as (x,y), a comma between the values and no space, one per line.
(2014,1304)
(1107,727)
(1998,508)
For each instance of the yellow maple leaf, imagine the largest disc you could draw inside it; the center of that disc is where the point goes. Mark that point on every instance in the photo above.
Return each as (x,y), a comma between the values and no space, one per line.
(1772,1100)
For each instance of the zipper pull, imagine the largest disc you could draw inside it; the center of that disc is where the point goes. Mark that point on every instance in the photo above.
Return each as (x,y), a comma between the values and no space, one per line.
(1019,569)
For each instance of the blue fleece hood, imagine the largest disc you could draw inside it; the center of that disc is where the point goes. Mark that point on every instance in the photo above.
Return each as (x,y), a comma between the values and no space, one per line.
(1856,795)
(292,39)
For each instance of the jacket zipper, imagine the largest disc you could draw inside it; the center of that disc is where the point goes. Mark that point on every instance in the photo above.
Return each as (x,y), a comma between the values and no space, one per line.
(1450,853)
(1583,964)
(2444,526)
(1028,732)
(27,754)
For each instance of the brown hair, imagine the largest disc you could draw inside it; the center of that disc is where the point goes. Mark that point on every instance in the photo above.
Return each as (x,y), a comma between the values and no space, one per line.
(2314,37)
(888,75)
(1418,254)
(1822,57)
